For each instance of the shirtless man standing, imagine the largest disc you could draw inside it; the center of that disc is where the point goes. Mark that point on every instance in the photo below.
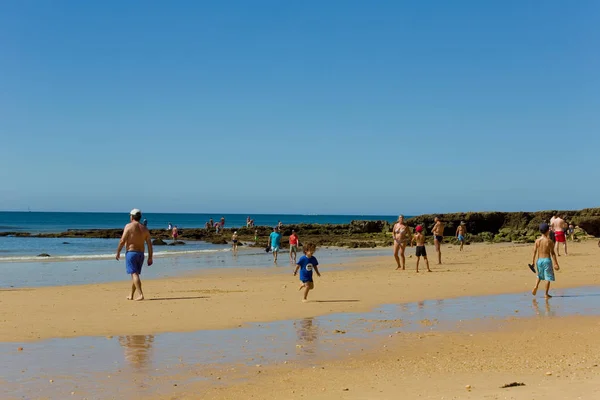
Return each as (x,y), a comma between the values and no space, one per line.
(544,251)
(438,234)
(401,234)
(134,237)
(558,226)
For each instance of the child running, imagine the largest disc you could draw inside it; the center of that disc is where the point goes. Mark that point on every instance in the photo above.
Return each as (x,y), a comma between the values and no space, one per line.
(544,249)
(306,264)
(419,238)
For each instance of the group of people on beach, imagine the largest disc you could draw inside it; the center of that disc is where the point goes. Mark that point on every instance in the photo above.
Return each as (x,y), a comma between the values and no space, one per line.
(136,237)
(546,249)
(403,237)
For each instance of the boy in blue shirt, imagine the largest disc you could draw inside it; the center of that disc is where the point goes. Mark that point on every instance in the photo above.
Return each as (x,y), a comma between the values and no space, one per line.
(306,264)
(275,242)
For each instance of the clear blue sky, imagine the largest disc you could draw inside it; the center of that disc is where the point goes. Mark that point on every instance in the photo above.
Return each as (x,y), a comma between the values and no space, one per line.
(369,107)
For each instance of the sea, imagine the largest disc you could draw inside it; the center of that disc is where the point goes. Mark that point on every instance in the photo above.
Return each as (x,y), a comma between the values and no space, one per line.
(91,260)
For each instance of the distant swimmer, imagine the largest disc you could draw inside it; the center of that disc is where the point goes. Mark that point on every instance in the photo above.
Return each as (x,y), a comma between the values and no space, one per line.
(234,240)
(461,234)
(438,236)
(419,239)
(400,233)
(133,238)
(275,242)
(293,246)
(175,232)
(559,227)
(544,250)
(306,264)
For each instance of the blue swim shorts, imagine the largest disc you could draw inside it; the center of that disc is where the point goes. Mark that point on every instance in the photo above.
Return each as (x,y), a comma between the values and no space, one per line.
(134,261)
(461,238)
(275,249)
(545,270)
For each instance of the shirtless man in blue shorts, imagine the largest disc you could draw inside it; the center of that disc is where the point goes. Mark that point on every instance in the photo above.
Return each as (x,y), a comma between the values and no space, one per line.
(134,236)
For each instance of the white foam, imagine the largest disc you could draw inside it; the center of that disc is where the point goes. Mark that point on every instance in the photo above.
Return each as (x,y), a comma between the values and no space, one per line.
(82,257)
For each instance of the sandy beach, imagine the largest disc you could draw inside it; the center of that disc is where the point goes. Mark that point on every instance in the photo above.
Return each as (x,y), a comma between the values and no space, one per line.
(416,365)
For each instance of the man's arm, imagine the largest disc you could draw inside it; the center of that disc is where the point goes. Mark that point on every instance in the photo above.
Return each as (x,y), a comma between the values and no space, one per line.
(535,249)
(457,229)
(150,250)
(121,243)
(412,240)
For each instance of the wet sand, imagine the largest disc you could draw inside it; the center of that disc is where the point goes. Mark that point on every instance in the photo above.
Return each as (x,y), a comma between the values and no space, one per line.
(386,359)
(227,299)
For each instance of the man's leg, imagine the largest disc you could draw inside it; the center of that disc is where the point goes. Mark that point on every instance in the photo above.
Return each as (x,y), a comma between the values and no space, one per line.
(130,297)
(439,251)
(138,285)
(427,263)
(275,257)
(418,258)
(548,289)
(462,243)
(565,246)
(537,283)
(557,248)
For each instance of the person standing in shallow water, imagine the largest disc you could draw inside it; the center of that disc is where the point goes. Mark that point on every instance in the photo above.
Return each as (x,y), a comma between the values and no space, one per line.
(400,233)
(438,237)
(135,235)
(544,250)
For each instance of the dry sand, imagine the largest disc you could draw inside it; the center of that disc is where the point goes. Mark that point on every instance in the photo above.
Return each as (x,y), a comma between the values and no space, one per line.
(411,366)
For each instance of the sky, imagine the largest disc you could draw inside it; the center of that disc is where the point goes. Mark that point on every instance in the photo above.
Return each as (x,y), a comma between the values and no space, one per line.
(326,107)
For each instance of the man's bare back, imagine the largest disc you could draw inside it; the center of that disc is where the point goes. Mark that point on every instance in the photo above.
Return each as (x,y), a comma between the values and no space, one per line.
(558,225)
(135,235)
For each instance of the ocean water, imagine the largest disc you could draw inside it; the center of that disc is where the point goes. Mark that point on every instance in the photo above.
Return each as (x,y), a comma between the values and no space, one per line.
(63,221)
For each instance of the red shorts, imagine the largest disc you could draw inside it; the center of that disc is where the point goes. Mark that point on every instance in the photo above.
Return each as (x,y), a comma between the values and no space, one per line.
(560,236)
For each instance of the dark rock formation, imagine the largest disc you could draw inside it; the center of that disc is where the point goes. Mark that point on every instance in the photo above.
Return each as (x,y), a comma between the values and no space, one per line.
(176,243)
(159,242)
(43,255)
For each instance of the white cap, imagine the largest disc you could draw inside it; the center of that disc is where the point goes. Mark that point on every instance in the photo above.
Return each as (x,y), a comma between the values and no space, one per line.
(135,211)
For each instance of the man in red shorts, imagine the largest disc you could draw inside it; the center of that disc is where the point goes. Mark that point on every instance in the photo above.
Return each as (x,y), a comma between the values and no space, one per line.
(558,227)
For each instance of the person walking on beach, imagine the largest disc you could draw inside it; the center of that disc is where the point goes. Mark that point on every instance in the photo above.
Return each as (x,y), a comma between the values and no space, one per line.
(306,264)
(419,239)
(544,250)
(293,246)
(169,227)
(135,235)
(275,242)
(211,222)
(175,233)
(255,236)
(222,222)
(400,233)
(559,226)
(571,232)
(461,234)
(234,240)
(438,236)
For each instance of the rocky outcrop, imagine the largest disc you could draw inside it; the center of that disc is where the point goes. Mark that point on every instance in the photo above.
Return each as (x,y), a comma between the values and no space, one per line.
(481,226)
(43,255)
(176,243)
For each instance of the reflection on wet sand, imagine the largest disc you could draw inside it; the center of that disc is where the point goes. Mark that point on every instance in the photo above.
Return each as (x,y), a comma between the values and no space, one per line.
(307,331)
(548,310)
(137,350)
